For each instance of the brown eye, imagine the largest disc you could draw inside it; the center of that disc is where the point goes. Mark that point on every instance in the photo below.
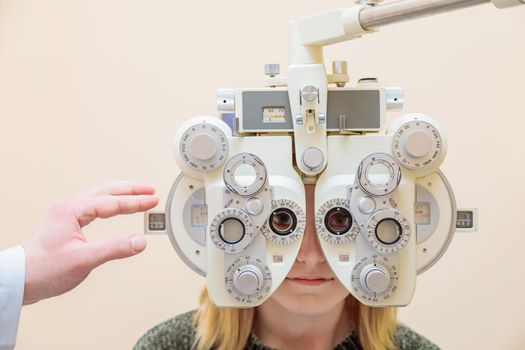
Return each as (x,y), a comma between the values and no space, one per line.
(338,221)
(283,221)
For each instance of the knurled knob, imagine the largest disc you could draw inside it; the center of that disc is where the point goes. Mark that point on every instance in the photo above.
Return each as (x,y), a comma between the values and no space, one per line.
(248,279)
(272,69)
(375,278)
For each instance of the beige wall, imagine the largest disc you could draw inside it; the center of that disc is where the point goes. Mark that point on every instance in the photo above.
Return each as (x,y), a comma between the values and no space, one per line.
(93,90)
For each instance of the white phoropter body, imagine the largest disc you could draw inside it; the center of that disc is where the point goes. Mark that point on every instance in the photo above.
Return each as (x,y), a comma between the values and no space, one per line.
(384,211)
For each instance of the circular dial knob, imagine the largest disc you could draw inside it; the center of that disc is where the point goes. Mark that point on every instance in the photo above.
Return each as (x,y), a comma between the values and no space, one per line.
(310,93)
(312,158)
(388,231)
(374,279)
(286,223)
(335,222)
(383,183)
(203,147)
(232,230)
(248,280)
(417,144)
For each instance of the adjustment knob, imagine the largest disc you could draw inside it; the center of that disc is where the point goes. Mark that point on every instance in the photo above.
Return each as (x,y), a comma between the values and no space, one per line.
(254,206)
(203,146)
(272,69)
(366,205)
(310,93)
(418,143)
(375,278)
(312,158)
(339,67)
(248,279)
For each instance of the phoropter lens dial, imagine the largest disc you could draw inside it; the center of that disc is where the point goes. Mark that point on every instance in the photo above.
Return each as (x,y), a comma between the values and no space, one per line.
(388,231)
(232,230)
(245,174)
(282,221)
(286,223)
(338,221)
(335,222)
(379,184)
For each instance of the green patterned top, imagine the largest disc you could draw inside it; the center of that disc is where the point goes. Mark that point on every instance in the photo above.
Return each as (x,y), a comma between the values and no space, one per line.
(179,332)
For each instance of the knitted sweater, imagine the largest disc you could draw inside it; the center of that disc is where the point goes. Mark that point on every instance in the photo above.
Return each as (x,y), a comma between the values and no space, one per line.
(179,333)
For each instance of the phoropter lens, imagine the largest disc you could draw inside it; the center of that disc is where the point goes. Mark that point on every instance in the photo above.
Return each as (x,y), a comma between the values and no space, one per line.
(231,230)
(283,221)
(388,231)
(338,221)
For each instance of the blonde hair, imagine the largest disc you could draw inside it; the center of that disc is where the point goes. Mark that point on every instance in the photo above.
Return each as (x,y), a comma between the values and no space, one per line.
(229,328)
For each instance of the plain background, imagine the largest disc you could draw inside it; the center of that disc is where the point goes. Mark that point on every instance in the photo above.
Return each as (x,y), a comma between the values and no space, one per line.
(94,90)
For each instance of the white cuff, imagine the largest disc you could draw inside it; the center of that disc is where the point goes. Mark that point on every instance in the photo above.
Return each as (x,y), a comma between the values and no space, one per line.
(12,277)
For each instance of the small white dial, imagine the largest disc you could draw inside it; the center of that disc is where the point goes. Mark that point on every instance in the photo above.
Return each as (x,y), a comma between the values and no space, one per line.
(245,174)
(374,278)
(232,230)
(203,147)
(388,231)
(248,279)
(286,223)
(335,222)
(383,183)
(417,144)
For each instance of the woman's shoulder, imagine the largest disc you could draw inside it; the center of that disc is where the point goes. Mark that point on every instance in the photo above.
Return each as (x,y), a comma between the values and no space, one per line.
(175,333)
(407,339)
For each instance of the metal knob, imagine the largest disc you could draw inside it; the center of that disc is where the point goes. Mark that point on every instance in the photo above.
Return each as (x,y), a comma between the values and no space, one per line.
(203,146)
(339,67)
(310,93)
(272,69)
(375,278)
(248,279)
(312,158)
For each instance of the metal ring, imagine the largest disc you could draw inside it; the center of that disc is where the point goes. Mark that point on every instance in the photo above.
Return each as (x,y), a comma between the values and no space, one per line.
(375,189)
(379,245)
(234,163)
(298,227)
(243,218)
(325,232)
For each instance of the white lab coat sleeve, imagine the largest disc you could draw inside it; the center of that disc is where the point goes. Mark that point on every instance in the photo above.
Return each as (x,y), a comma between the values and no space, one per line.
(12,278)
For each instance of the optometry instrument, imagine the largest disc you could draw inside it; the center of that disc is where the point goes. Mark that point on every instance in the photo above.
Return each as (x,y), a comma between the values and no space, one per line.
(384,211)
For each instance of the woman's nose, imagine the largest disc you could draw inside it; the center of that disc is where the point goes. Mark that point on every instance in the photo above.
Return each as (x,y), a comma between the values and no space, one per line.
(310,252)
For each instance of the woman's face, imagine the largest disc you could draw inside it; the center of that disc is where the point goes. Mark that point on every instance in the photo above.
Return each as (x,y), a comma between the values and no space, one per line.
(311,287)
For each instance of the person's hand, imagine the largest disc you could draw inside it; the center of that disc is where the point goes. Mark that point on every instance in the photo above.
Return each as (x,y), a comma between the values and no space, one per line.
(58,256)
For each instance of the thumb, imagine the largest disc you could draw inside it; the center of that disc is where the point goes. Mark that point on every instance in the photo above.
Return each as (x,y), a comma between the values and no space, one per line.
(118,247)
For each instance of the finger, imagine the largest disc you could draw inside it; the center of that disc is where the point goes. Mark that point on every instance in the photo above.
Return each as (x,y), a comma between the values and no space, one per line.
(117,188)
(118,247)
(88,209)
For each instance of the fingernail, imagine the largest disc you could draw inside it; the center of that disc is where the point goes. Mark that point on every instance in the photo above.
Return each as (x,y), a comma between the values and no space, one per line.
(138,243)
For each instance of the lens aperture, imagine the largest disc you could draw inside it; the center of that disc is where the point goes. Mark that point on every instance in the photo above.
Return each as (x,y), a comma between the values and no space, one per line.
(388,231)
(231,230)
(283,221)
(338,221)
